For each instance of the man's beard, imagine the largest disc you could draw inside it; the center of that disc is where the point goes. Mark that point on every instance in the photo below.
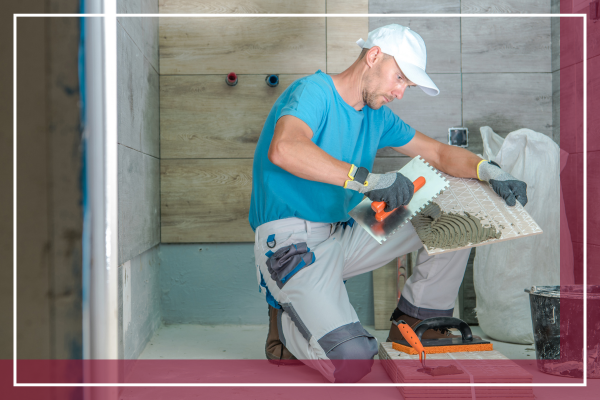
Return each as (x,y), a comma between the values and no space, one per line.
(372,99)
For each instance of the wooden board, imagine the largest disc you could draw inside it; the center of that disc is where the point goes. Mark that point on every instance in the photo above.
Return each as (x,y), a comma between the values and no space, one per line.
(342,33)
(205,201)
(242,45)
(479,199)
(385,293)
(202,117)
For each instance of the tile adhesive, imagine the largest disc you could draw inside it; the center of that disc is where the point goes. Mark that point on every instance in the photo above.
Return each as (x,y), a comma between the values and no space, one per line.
(438,229)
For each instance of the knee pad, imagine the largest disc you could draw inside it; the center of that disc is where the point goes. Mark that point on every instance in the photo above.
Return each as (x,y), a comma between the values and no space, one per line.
(353,358)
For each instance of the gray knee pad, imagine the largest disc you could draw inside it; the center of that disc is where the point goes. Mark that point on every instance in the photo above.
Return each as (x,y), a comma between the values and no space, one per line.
(353,358)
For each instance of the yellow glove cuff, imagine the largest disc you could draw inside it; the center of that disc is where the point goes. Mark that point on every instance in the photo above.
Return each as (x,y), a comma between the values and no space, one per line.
(353,169)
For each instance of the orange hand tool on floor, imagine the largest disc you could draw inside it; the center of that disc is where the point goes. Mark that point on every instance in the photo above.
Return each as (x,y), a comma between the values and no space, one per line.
(411,337)
(379,206)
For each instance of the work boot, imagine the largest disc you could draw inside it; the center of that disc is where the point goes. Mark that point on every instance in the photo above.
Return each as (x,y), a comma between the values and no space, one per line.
(274,349)
(395,335)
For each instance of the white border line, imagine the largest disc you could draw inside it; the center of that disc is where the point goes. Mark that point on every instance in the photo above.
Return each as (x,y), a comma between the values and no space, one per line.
(111,71)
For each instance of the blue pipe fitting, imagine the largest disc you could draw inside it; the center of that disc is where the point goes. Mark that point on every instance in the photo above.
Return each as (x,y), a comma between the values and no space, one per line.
(272,80)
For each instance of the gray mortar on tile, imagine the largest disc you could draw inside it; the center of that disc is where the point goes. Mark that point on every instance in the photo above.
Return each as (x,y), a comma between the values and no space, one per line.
(438,229)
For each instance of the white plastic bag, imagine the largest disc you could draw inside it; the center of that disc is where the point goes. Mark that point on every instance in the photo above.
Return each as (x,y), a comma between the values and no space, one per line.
(503,270)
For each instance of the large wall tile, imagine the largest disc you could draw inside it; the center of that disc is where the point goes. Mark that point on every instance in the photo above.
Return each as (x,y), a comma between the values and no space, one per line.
(414,7)
(203,117)
(431,115)
(506,102)
(506,45)
(441,36)
(205,200)
(593,194)
(571,108)
(505,6)
(342,33)
(556,107)
(593,108)
(139,203)
(143,30)
(241,7)
(555,45)
(138,110)
(571,180)
(242,45)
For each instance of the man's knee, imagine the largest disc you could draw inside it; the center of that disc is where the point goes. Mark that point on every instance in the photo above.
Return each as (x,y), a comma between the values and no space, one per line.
(353,358)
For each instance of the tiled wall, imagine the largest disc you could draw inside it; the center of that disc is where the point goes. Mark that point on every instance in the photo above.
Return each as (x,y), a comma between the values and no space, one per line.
(139,177)
(570,93)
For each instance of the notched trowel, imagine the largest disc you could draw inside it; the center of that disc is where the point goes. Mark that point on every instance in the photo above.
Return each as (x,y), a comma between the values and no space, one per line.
(381,225)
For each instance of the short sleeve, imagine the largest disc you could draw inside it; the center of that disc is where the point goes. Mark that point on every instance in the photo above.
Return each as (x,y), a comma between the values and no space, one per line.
(308,102)
(396,133)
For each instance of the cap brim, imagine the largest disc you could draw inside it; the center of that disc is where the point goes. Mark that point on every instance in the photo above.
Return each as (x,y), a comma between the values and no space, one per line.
(418,76)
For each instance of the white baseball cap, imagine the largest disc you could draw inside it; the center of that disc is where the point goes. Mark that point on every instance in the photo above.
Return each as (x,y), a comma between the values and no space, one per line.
(407,48)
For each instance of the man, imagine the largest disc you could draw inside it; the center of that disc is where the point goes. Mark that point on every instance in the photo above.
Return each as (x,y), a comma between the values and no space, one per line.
(311,167)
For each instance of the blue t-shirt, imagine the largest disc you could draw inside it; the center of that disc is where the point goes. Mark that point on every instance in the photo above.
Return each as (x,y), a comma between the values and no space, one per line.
(341,131)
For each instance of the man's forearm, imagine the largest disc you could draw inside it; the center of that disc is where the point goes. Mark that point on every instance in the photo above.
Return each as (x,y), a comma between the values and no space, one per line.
(458,162)
(303,158)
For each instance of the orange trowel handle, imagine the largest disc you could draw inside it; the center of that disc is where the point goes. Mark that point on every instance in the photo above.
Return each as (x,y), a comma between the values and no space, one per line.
(411,337)
(379,206)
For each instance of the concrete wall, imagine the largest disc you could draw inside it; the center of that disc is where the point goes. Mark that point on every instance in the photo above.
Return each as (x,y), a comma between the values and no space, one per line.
(139,178)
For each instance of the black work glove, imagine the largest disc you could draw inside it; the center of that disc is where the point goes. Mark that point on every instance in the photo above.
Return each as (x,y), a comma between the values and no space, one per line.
(393,188)
(503,183)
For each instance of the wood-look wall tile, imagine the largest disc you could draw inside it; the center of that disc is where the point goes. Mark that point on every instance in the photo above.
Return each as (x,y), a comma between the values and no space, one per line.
(241,7)
(430,115)
(505,6)
(506,45)
(342,33)
(202,117)
(139,202)
(441,36)
(506,102)
(205,201)
(241,45)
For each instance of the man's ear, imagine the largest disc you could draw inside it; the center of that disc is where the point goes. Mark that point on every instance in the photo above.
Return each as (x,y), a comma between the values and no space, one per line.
(373,55)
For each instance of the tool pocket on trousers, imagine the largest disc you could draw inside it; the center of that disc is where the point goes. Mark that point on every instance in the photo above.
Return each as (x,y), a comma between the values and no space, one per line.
(287,261)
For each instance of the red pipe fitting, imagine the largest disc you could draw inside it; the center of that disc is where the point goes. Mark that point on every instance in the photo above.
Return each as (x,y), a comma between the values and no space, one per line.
(232,79)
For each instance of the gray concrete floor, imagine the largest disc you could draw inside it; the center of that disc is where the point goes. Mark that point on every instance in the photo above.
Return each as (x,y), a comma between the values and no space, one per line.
(188,341)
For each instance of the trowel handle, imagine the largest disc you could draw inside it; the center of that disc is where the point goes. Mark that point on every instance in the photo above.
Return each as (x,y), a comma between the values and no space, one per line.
(411,337)
(379,206)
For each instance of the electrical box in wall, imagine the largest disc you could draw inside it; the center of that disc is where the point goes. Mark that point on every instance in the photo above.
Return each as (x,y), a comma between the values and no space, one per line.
(458,137)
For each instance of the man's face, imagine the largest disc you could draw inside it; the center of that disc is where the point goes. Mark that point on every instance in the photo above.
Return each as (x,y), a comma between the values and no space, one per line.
(384,83)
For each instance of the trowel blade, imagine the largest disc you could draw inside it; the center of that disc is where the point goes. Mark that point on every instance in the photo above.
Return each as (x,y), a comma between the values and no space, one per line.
(381,231)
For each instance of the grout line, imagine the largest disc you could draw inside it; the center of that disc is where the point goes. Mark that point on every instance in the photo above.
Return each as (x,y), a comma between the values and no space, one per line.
(136,45)
(146,154)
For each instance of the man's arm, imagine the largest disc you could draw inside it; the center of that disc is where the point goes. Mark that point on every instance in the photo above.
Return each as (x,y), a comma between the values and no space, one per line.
(461,163)
(452,160)
(293,150)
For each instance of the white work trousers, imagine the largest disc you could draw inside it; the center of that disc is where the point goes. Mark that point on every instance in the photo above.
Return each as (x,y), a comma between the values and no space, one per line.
(315,315)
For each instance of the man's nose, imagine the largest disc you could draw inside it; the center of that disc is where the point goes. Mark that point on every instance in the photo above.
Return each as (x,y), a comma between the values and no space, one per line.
(399,92)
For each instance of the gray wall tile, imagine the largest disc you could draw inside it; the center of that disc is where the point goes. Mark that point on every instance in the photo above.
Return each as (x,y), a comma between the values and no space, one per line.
(506,102)
(556,107)
(555,38)
(441,36)
(505,6)
(139,203)
(143,30)
(144,303)
(431,115)
(414,7)
(506,45)
(138,98)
